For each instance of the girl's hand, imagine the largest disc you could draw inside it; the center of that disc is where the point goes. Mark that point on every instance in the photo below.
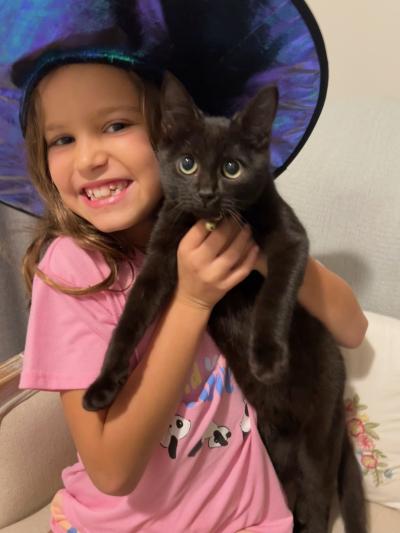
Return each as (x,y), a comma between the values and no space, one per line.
(212,263)
(261,264)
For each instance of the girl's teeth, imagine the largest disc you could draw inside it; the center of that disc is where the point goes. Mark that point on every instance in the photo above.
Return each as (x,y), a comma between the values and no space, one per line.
(102,192)
(105,191)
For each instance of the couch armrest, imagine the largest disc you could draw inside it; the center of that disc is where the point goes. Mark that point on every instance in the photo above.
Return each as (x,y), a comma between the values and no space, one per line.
(10,395)
(35,445)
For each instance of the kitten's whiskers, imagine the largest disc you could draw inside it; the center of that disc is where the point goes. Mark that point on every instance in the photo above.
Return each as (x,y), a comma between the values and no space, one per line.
(234,214)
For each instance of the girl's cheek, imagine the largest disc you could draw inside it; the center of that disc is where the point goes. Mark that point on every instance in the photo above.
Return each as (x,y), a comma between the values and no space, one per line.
(144,147)
(51,163)
(58,164)
(137,138)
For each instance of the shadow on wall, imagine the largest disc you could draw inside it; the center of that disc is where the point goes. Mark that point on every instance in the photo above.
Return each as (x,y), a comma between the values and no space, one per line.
(351,267)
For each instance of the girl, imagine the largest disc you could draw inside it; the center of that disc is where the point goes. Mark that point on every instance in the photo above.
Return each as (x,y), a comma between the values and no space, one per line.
(178,450)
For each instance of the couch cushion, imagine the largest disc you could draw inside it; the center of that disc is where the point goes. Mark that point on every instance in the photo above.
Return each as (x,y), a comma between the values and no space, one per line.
(38,522)
(35,440)
(381,520)
(373,408)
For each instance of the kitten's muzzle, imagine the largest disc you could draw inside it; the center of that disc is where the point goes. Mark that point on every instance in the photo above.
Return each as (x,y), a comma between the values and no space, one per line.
(208,197)
(207,204)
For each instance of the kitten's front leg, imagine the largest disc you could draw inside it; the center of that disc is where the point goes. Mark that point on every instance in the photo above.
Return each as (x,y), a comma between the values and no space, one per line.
(287,253)
(148,296)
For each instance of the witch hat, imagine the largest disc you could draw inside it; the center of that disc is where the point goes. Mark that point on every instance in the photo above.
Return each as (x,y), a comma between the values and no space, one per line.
(222,51)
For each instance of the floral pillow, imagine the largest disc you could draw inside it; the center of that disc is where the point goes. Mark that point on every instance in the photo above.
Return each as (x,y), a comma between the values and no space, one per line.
(372,399)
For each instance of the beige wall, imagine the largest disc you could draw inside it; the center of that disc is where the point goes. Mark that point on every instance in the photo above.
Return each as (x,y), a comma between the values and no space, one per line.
(363,44)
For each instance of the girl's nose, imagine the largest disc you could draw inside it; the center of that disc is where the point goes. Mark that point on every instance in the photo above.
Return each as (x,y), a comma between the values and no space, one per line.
(90,155)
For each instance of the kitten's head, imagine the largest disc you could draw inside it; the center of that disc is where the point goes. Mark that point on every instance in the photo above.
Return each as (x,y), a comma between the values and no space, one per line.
(212,166)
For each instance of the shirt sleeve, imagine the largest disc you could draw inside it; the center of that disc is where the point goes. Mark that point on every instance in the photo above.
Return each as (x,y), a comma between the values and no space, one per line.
(68,335)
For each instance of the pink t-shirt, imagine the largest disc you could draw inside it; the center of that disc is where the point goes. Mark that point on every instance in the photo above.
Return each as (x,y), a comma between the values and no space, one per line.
(210,473)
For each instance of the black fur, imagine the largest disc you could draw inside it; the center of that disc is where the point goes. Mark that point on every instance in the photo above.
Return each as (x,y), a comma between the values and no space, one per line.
(284,360)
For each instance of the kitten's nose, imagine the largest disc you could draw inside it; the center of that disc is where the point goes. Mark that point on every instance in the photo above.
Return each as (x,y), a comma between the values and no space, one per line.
(207,195)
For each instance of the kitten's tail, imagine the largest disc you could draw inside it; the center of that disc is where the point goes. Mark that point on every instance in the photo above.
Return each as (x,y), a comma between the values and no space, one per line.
(350,490)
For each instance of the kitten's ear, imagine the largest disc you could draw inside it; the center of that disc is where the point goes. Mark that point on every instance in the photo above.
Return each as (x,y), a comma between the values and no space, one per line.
(256,119)
(178,110)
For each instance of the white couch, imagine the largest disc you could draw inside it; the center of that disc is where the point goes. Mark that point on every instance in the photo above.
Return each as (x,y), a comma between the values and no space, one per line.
(345,187)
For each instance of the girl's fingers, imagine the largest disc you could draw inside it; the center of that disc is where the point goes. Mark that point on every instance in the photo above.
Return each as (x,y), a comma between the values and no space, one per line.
(236,251)
(216,240)
(242,270)
(195,236)
(204,246)
(221,238)
(221,259)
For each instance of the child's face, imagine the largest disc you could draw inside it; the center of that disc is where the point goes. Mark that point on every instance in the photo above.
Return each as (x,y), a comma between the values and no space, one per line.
(99,154)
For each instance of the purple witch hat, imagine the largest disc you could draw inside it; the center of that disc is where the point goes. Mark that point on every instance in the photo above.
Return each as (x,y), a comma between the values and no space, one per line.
(223,52)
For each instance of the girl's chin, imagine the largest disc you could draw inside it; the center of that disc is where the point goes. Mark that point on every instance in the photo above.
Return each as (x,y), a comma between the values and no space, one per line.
(110,224)
(113,221)
(117,229)
(138,234)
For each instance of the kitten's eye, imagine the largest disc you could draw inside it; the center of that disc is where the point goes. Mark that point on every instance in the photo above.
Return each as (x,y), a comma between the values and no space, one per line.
(187,165)
(231,169)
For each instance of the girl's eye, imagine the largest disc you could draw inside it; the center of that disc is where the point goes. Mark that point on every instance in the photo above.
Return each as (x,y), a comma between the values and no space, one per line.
(116,126)
(187,165)
(61,141)
(231,169)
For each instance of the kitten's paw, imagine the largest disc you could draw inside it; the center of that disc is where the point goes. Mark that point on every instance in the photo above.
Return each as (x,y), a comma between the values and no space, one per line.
(101,393)
(300,528)
(269,362)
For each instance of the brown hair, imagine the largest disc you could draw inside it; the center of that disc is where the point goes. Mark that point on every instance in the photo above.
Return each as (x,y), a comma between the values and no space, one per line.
(60,220)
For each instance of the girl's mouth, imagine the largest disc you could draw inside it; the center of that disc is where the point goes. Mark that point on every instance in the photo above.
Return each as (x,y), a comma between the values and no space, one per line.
(105,191)
(106,194)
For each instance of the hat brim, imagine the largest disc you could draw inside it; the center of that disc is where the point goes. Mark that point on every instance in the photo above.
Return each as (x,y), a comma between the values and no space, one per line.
(223,52)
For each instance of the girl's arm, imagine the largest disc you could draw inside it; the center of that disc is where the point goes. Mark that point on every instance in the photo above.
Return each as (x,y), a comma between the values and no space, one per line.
(330,299)
(116,444)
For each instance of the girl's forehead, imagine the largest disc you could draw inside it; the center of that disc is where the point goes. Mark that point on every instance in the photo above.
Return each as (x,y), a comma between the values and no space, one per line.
(81,78)
(87,85)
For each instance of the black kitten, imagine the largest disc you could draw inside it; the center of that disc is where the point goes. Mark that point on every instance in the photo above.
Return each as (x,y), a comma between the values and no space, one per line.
(286,363)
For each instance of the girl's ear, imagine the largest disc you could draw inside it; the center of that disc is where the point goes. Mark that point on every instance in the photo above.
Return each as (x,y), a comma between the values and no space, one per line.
(178,110)
(256,119)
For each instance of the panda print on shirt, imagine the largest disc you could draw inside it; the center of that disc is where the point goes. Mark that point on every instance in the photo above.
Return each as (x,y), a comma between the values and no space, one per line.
(204,389)
(216,436)
(178,429)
